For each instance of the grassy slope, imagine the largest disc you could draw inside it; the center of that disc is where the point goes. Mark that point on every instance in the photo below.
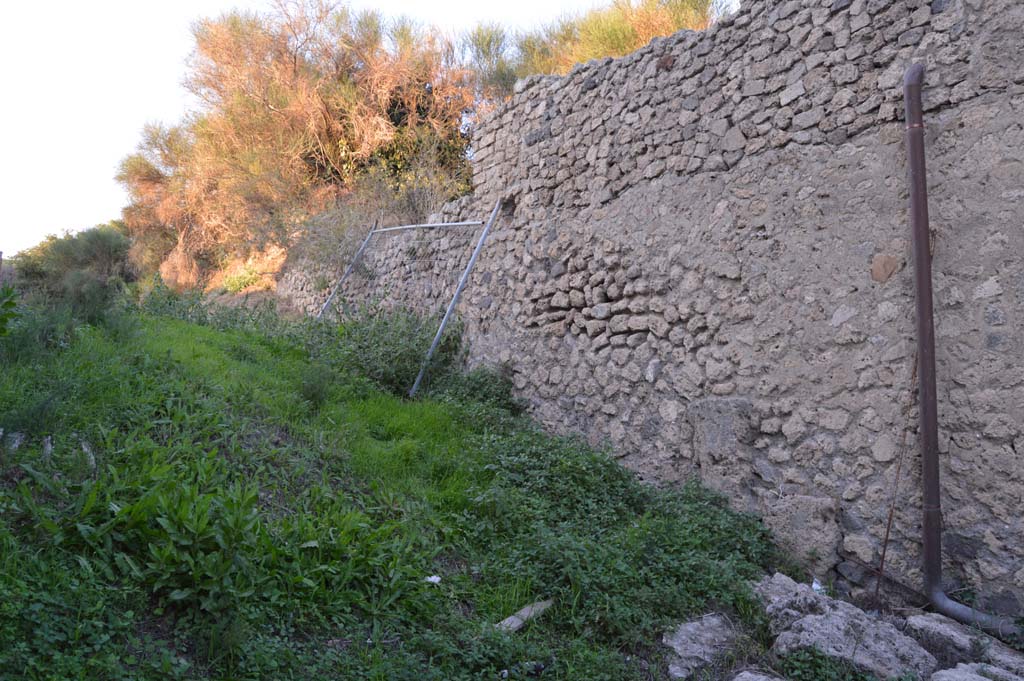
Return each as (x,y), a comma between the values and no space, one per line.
(218,505)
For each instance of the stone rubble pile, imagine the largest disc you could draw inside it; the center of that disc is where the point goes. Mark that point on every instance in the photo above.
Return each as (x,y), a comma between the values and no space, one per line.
(929,646)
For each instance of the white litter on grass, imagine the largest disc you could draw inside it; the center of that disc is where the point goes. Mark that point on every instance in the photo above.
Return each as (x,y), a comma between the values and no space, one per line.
(816,585)
(433,579)
(514,623)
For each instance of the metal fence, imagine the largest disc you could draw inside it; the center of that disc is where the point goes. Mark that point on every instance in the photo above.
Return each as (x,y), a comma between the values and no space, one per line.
(431,251)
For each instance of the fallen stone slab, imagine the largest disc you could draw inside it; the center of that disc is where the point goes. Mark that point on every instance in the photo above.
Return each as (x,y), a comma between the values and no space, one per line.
(803,619)
(975,672)
(514,623)
(698,644)
(952,642)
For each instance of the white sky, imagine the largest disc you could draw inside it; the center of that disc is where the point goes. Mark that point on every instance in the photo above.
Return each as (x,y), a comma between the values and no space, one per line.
(81,78)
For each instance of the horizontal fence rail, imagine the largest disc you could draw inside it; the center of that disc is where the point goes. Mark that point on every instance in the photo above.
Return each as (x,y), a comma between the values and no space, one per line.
(382,230)
(433,225)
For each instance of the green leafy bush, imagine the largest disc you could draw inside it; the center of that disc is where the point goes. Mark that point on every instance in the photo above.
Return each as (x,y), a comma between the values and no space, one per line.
(8,308)
(85,272)
(101,251)
(36,331)
(487,385)
(389,347)
(237,283)
(316,385)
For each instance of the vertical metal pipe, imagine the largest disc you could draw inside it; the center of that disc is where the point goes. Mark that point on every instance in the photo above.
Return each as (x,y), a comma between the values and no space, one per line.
(455,299)
(931,535)
(348,270)
(928,429)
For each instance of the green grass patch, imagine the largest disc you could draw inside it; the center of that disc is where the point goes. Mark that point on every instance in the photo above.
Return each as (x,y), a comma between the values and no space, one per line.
(226,499)
(236,283)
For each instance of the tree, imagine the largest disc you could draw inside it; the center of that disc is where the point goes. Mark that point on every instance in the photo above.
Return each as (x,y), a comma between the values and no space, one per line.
(299,103)
(295,104)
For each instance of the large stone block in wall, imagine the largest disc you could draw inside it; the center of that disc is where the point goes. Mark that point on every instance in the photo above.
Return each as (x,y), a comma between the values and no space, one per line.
(806,527)
(723,431)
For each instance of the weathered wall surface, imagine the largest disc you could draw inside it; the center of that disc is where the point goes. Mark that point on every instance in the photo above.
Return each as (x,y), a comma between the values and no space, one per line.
(703,262)
(415,269)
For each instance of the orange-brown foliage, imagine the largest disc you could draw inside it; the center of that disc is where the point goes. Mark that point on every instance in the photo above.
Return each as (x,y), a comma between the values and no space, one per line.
(295,103)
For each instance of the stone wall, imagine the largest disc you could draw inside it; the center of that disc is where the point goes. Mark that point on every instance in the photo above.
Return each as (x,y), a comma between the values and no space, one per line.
(702,262)
(417,269)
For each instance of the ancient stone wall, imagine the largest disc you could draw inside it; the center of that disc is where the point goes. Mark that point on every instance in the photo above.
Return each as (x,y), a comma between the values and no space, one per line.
(703,262)
(416,269)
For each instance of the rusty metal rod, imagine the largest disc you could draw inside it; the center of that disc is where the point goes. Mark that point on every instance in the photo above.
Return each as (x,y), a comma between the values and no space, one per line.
(931,534)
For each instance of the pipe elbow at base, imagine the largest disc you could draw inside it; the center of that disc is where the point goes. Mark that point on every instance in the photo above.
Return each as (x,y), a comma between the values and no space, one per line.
(1001,627)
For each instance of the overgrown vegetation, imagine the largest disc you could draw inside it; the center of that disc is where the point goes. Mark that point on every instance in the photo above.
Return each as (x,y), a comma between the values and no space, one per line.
(227,497)
(296,104)
(8,308)
(499,57)
(239,282)
(314,107)
(84,273)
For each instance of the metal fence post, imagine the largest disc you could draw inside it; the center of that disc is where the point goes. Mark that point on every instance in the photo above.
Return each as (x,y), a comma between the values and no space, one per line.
(455,299)
(348,271)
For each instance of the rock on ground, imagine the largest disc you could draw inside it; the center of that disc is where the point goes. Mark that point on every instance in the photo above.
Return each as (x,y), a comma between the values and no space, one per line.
(755,676)
(517,621)
(975,672)
(801,618)
(698,644)
(952,642)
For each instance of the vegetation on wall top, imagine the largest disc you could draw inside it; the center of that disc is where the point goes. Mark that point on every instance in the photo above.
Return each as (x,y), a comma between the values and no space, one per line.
(298,104)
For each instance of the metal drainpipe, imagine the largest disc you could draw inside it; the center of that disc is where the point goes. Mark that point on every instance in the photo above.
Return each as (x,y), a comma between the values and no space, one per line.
(929,429)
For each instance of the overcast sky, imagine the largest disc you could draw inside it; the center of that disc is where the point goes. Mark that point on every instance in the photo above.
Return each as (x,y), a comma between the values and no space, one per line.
(81,78)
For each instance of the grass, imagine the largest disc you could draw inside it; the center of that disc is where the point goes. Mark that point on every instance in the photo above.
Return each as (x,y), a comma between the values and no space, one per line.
(235,500)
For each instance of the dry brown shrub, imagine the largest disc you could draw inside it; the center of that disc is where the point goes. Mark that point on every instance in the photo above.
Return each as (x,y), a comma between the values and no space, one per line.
(179,270)
(297,104)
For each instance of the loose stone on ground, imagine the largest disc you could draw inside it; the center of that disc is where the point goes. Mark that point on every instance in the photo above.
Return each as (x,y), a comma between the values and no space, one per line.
(698,644)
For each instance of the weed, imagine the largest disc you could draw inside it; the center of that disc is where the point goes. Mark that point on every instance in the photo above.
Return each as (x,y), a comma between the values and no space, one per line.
(390,347)
(484,385)
(255,504)
(237,283)
(8,308)
(321,282)
(316,385)
(35,332)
